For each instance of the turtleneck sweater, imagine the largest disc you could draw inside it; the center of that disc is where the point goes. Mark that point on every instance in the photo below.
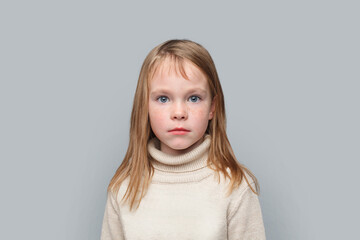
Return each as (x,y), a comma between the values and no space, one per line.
(185,201)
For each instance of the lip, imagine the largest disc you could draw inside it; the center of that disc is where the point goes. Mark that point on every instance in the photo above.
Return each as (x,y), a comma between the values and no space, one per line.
(179,130)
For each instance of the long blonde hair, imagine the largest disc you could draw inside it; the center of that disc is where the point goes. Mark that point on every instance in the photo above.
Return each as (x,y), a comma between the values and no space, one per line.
(136,165)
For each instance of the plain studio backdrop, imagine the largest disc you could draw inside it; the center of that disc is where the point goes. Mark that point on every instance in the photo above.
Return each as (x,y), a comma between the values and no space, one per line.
(290,75)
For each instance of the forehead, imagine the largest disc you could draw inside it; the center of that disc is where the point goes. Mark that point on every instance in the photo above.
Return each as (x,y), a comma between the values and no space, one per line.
(171,67)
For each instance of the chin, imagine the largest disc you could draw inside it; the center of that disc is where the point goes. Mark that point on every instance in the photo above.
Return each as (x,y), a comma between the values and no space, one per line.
(180,146)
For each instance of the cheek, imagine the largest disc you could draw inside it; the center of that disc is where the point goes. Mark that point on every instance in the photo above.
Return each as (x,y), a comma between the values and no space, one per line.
(200,116)
(201,111)
(156,117)
(157,120)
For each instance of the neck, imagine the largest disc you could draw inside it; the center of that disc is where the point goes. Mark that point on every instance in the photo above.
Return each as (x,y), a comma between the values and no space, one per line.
(192,160)
(173,152)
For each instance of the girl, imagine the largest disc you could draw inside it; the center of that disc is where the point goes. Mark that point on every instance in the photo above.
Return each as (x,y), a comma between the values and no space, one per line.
(180,178)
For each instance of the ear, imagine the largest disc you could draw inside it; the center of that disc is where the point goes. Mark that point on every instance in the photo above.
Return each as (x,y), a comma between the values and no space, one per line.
(212,108)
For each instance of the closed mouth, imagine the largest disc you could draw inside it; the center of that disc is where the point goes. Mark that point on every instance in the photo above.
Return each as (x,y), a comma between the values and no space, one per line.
(179,130)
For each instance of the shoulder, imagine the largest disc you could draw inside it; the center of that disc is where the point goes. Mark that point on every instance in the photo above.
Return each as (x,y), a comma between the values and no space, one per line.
(223,185)
(242,191)
(117,193)
(245,183)
(244,215)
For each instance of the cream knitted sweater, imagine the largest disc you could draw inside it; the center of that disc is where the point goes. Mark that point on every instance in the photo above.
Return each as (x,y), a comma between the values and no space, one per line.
(185,201)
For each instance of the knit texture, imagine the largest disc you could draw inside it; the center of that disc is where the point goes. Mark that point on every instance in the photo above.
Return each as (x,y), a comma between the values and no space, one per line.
(185,201)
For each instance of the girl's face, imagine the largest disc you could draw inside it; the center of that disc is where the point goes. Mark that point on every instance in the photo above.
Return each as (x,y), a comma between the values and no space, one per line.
(179,109)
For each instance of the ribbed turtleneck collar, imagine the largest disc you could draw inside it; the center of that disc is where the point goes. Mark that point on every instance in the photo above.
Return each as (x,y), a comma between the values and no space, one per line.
(190,166)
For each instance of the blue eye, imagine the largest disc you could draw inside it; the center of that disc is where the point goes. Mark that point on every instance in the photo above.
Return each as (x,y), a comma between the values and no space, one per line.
(194,99)
(162,99)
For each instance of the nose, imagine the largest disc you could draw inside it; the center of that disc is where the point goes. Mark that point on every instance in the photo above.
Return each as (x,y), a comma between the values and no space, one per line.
(179,112)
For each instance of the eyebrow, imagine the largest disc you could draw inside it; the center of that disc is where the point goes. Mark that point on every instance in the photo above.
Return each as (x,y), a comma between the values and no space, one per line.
(167,91)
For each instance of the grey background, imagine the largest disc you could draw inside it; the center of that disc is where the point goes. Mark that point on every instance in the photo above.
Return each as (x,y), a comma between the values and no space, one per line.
(289,71)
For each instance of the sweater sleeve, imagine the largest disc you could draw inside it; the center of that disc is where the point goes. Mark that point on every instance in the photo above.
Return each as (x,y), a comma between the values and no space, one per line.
(245,220)
(112,227)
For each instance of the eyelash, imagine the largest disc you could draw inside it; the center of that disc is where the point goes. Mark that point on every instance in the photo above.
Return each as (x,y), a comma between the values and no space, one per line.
(158,98)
